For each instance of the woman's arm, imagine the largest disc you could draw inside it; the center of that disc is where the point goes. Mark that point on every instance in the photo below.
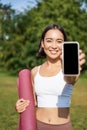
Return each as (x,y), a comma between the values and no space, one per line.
(33,73)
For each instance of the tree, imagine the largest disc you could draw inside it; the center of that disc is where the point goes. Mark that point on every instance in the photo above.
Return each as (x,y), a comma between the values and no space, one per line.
(26,29)
(70,15)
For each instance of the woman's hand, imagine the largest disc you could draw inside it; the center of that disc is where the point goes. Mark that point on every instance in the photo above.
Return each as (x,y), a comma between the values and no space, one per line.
(21,105)
(81,59)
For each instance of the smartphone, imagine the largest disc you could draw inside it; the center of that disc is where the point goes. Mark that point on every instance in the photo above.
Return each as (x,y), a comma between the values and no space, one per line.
(70,58)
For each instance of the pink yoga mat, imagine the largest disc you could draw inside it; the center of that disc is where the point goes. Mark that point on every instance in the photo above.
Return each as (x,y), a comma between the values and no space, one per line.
(27,119)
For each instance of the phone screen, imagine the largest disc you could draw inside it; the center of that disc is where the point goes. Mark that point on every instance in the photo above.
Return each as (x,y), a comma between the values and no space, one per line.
(70,58)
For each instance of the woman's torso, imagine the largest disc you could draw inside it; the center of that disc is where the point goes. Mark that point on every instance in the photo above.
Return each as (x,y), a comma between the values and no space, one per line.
(52,115)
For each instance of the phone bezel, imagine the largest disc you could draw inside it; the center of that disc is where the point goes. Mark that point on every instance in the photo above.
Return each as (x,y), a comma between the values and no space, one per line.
(70,42)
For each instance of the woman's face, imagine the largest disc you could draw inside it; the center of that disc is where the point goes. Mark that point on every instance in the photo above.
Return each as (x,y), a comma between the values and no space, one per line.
(52,43)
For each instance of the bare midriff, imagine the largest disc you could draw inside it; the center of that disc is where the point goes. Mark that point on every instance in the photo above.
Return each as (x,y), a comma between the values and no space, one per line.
(53,115)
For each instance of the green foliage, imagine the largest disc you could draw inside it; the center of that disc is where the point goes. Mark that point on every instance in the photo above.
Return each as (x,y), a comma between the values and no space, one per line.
(22,31)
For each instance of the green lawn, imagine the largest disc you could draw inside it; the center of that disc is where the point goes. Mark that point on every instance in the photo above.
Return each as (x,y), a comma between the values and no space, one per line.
(79,105)
(8,97)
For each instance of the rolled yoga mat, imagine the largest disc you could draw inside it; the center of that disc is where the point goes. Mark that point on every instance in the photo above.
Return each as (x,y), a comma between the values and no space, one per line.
(27,120)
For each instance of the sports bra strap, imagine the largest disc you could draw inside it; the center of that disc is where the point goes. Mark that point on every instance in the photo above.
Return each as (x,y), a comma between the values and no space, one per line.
(38,68)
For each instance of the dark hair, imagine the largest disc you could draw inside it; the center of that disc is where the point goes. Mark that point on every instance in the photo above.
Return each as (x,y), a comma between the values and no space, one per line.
(52,26)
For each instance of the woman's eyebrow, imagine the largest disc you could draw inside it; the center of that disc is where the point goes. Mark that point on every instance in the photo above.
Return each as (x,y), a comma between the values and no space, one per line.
(52,38)
(48,38)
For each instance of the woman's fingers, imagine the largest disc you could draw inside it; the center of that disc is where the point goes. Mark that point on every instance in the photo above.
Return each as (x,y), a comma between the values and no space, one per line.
(81,58)
(21,105)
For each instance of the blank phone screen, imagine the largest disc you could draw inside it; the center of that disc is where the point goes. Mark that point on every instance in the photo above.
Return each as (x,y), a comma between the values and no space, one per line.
(70,59)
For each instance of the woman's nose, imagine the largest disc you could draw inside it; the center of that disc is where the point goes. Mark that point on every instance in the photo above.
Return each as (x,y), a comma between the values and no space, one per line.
(54,45)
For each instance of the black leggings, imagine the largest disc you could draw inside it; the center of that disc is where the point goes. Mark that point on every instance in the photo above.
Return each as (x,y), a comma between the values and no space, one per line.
(45,126)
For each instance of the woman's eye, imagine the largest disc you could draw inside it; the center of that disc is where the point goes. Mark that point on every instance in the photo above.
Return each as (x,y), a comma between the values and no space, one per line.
(49,41)
(59,42)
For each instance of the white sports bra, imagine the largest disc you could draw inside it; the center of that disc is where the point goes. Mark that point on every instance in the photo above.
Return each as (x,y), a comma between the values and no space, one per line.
(52,91)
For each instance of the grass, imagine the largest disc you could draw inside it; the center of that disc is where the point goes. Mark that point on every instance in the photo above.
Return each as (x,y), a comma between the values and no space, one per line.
(8,96)
(79,105)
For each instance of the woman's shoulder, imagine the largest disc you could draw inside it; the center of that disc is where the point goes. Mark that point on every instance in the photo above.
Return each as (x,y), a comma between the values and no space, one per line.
(34,71)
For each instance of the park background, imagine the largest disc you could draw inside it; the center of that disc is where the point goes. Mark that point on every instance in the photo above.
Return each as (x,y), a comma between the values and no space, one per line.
(20,32)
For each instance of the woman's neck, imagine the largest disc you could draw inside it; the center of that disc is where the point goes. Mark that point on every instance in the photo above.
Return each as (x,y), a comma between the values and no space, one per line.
(52,62)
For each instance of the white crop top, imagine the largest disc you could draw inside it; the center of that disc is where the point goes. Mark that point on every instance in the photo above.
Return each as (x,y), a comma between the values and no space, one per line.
(52,91)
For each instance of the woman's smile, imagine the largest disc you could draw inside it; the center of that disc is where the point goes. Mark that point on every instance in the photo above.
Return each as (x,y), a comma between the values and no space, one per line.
(53,51)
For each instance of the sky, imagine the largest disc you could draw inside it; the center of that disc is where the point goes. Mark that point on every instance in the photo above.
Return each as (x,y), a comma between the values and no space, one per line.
(19,5)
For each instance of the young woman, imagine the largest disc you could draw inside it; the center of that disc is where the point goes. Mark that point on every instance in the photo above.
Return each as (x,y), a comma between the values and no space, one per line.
(52,90)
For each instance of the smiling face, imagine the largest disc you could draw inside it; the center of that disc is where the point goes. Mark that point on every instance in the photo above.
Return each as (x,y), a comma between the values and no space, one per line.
(52,43)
